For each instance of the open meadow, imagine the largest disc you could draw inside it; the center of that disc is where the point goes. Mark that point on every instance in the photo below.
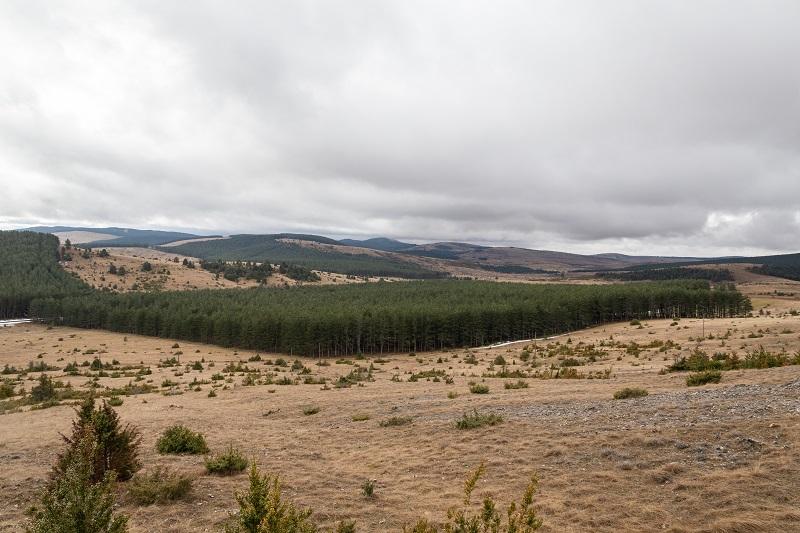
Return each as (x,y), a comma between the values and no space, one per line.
(718,457)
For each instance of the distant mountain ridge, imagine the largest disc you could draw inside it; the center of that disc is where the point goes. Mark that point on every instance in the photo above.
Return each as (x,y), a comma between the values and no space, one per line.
(379,243)
(381,256)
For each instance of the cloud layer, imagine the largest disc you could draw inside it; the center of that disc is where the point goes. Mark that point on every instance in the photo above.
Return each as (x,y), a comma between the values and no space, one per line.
(658,127)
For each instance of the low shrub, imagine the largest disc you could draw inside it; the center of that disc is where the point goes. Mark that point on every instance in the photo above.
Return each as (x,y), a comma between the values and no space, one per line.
(181,440)
(159,486)
(395,421)
(702,378)
(630,392)
(44,390)
(311,410)
(368,488)
(227,463)
(115,401)
(7,389)
(519,384)
(479,388)
(262,509)
(360,417)
(476,420)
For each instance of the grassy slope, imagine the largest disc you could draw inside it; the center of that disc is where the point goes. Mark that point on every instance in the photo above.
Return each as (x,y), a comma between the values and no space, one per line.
(271,248)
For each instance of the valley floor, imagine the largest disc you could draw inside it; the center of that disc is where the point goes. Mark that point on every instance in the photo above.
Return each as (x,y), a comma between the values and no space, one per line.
(722,457)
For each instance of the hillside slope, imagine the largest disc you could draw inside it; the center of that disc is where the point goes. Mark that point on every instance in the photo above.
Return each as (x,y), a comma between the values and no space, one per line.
(318,253)
(112,236)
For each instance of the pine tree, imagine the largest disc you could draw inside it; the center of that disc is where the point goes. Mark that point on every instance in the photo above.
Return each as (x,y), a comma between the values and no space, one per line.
(262,510)
(73,501)
(116,447)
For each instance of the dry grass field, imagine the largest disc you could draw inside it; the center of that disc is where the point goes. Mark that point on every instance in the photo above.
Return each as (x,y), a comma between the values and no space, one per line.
(716,458)
(168,275)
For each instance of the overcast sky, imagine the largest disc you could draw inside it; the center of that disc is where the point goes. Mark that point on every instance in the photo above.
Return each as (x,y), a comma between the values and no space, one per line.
(630,126)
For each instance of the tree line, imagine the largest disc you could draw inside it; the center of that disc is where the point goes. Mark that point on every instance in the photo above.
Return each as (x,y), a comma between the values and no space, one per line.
(386,317)
(29,269)
(715,275)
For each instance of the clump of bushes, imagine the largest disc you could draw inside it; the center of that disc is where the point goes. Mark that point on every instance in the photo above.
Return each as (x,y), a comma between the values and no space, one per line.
(181,440)
(227,463)
(519,384)
(476,420)
(159,486)
(699,361)
(479,388)
(702,378)
(630,392)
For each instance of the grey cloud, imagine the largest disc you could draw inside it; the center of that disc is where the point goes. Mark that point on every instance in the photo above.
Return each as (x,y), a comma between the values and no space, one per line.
(550,124)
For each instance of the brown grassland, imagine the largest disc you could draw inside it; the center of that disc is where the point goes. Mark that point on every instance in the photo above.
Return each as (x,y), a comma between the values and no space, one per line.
(722,457)
(167,275)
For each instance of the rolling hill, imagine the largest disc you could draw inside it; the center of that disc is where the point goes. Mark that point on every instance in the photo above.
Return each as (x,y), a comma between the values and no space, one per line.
(781,265)
(310,251)
(98,237)
(386,257)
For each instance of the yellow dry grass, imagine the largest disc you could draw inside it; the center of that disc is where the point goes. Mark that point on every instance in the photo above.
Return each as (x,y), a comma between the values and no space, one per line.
(169,275)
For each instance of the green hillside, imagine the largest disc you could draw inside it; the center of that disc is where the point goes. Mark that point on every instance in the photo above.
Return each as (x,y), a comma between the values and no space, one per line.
(782,266)
(29,269)
(268,248)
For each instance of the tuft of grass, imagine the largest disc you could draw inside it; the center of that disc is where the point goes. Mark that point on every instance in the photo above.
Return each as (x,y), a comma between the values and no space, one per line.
(479,388)
(346,526)
(181,440)
(452,395)
(476,420)
(630,392)
(395,421)
(115,401)
(519,384)
(311,410)
(702,378)
(360,417)
(159,486)
(228,462)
